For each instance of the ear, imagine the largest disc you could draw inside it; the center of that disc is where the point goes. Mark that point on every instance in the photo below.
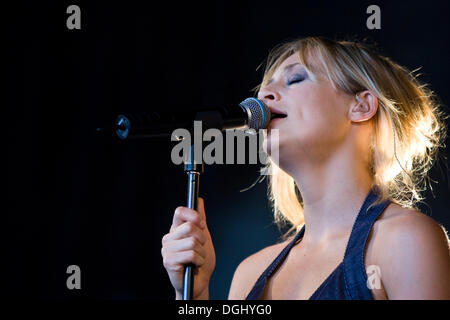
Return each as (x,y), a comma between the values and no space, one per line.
(363,107)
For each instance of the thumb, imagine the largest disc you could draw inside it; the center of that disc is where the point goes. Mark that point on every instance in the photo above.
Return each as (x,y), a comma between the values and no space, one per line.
(201,207)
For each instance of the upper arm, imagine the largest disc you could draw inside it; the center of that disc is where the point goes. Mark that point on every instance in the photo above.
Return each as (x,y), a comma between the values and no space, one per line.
(240,283)
(415,263)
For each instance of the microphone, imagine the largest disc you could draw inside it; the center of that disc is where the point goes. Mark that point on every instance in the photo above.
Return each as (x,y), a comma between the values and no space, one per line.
(249,114)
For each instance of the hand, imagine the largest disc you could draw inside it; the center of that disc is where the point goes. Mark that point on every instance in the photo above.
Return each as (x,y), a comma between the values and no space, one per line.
(189,241)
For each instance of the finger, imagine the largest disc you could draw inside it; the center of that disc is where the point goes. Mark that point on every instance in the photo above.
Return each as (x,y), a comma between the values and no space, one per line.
(201,211)
(178,260)
(201,208)
(187,229)
(184,245)
(183,214)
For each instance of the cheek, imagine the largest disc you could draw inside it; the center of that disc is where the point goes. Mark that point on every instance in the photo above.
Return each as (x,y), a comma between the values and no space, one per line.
(320,125)
(318,98)
(316,118)
(316,121)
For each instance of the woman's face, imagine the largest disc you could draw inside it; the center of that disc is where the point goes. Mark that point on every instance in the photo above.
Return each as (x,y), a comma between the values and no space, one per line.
(316,121)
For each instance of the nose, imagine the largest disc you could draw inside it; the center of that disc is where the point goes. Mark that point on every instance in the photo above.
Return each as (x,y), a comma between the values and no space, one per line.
(268,94)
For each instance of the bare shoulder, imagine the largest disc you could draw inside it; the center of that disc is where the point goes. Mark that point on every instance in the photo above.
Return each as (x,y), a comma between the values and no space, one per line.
(398,223)
(249,270)
(409,247)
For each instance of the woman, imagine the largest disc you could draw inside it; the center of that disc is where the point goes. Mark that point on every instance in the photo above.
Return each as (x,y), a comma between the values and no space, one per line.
(359,137)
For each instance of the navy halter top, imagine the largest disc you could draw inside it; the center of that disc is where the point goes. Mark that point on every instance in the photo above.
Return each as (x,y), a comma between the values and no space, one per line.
(349,280)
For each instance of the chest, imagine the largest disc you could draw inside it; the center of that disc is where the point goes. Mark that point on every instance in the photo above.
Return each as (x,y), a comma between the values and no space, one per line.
(304,271)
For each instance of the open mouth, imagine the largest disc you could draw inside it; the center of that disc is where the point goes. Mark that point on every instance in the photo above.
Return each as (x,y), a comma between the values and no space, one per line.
(276,114)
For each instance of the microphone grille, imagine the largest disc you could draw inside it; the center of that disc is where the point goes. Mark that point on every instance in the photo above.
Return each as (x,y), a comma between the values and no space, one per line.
(258,113)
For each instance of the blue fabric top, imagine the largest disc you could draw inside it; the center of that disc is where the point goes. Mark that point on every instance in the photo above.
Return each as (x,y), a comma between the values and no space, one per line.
(349,280)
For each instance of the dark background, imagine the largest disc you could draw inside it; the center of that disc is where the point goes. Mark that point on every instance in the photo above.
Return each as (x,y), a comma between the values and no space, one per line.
(75,197)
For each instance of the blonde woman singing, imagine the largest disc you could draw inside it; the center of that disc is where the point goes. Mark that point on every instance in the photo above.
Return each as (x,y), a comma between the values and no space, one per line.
(357,137)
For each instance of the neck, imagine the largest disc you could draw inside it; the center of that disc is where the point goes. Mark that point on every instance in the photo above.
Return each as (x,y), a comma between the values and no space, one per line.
(332,196)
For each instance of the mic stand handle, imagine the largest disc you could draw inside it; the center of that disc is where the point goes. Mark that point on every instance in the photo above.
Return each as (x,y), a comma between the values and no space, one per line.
(193,170)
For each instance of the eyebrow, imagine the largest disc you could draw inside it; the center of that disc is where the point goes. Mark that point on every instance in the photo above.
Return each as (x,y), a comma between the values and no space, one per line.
(287,68)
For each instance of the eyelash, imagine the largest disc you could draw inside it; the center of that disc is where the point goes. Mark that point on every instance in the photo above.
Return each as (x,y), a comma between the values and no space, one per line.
(296,79)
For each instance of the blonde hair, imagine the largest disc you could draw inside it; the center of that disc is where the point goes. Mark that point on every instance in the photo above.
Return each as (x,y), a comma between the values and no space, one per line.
(409,126)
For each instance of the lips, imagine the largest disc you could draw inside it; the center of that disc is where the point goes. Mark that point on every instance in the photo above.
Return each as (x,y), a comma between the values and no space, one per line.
(276,113)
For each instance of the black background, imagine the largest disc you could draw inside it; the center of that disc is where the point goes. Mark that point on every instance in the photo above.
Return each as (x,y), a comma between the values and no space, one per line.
(76,197)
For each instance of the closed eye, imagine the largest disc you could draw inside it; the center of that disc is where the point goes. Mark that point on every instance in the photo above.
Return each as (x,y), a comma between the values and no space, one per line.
(296,79)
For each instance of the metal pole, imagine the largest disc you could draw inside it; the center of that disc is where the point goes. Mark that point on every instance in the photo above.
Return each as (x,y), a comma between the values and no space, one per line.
(193,169)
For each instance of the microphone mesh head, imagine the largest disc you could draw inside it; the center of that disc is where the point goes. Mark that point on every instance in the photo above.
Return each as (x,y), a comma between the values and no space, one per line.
(258,113)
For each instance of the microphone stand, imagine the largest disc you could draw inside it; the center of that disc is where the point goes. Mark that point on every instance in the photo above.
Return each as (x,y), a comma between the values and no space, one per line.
(194,167)
(193,170)
(252,113)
